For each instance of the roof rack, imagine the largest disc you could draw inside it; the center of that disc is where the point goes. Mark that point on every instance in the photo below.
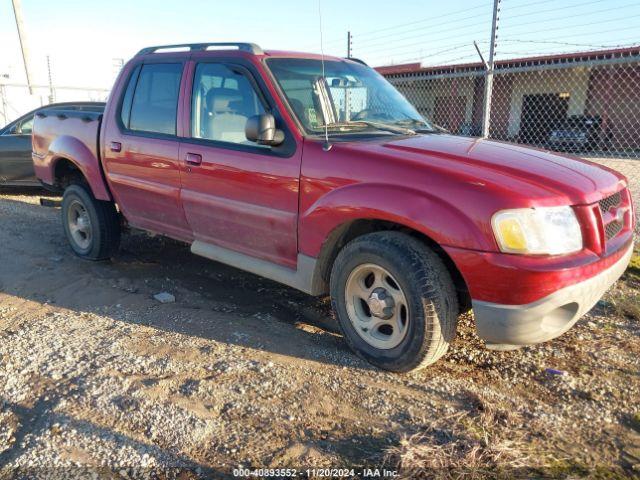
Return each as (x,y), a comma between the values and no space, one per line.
(245,47)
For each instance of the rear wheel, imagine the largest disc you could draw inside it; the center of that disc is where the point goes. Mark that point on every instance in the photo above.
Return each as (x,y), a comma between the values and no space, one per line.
(92,226)
(395,301)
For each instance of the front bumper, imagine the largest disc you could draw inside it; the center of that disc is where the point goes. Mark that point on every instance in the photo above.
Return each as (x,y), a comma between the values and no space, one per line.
(547,317)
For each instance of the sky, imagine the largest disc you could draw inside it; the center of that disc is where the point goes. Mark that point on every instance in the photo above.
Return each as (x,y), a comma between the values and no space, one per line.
(83,37)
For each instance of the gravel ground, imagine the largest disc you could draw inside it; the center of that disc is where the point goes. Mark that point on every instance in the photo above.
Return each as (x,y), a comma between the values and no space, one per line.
(97,377)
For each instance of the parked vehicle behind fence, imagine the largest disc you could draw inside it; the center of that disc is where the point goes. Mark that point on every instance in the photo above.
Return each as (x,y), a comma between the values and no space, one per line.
(315,172)
(16,166)
(579,133)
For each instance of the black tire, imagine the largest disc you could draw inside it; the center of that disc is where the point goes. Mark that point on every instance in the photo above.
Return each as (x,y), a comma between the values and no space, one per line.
(104,223)
(430,294)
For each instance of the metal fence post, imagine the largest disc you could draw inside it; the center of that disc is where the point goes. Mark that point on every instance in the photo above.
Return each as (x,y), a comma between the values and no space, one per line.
(488,80)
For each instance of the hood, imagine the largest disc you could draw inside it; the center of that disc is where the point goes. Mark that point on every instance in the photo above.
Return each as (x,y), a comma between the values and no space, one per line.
(512,166)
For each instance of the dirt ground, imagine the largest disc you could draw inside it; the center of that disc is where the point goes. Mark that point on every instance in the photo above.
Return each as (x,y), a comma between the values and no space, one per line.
(98,378)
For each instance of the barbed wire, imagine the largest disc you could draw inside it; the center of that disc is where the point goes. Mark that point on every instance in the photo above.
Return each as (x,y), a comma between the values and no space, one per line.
(567,26)
(553,10)
(484,4)
(460,24)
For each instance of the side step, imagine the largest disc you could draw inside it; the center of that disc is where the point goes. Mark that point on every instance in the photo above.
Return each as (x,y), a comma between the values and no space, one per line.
(302,278)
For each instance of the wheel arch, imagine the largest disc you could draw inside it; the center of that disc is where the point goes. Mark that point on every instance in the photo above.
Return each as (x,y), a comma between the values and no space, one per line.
(68,154)
(347,212)
(352,229)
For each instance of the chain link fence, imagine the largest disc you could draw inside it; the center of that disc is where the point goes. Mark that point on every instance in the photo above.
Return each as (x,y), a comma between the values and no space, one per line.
(585,104)
(16,100)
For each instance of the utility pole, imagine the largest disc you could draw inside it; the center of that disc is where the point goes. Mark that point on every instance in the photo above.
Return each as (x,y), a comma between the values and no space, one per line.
(52,96)
(349,44)
(488,79)
(5,114)
(17,12)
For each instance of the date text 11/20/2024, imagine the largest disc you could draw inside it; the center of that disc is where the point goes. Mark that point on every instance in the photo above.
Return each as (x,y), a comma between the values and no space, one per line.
(315,473)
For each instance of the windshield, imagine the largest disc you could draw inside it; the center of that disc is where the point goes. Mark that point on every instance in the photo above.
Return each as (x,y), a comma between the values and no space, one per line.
(349,98)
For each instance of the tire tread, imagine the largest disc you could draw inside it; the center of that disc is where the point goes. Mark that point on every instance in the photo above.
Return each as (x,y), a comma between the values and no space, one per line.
(108,224)
(435,286)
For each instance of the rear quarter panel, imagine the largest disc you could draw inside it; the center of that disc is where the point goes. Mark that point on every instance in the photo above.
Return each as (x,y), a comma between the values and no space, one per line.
(74,138)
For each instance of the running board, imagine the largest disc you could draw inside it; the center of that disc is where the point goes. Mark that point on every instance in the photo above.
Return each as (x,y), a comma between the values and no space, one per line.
(303,278)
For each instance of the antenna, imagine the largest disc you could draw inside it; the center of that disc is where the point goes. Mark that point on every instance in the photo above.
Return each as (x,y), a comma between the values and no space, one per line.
(327,146)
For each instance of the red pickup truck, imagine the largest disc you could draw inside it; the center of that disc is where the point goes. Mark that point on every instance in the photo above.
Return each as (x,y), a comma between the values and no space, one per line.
(315,172)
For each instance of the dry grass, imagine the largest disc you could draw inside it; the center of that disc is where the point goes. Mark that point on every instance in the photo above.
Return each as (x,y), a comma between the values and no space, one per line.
(628,303)
(467,445)
(628,306)
(634,265)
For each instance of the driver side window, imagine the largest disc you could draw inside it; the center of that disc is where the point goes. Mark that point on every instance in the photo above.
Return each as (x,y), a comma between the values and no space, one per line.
(223,100)
(24,127)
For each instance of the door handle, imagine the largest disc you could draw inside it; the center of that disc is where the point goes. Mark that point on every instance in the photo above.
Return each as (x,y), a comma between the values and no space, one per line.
(115,146)
(193,159)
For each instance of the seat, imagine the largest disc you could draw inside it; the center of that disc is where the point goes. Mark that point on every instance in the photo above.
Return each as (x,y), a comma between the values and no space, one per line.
(224,122)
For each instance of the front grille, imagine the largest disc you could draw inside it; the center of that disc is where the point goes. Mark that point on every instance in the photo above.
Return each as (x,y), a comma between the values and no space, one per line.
(608,203)
(612,229)
(608,209)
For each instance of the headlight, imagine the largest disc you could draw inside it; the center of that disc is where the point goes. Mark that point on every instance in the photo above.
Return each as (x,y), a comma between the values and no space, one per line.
(544,230)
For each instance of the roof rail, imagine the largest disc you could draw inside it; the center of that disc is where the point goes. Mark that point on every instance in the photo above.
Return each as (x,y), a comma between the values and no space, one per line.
(245,47)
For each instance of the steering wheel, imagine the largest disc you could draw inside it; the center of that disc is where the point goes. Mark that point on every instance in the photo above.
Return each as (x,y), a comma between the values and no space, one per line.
(372,114)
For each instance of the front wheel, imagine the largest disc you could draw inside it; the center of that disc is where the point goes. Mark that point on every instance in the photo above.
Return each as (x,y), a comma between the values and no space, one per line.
(395,301)
(92,226)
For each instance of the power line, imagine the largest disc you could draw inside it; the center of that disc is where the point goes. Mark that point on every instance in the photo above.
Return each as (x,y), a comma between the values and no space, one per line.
(426,37)
(413,44)
(620,43)
(476,7)
(368,43)
(584,33)
(564,27)
(448,63)
(435,54)
(369,46)
(550,50)
(357,36)
(508,7)
(552,10)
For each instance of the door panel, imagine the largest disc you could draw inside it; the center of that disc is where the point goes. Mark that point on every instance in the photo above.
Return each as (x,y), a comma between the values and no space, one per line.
(15,159)
(145,179)
(247,202)
(236,195)
(141,150)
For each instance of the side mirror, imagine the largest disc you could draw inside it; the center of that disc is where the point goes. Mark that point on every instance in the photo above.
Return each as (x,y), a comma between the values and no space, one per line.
(262,130)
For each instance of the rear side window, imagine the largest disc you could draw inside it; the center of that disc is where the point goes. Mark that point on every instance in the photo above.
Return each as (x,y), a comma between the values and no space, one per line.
(155,101)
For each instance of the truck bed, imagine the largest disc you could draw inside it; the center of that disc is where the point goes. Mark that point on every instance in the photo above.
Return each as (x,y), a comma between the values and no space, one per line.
(59,133)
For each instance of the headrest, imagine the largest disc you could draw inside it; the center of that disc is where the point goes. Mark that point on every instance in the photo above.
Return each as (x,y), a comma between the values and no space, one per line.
(218,99)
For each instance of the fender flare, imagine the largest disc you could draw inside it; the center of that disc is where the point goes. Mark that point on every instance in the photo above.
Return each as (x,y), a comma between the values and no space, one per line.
(69,148)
